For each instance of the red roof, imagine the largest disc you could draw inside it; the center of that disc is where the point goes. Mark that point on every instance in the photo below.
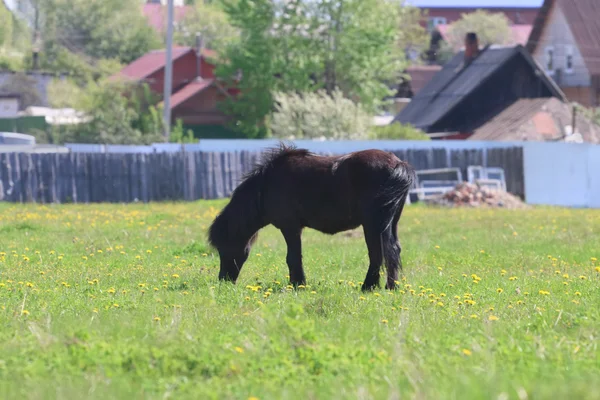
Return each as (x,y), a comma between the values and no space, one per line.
(155,60)
(189,90)
(420,75)
(520,33)
(157,15)
(583,18)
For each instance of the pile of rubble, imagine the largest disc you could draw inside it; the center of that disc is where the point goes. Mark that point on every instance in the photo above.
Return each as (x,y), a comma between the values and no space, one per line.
(471,195)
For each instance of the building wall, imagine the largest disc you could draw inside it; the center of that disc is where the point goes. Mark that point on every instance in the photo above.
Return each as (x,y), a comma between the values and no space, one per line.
(42,81)
(579,94)
(558,35)
(202,109)
(9,107)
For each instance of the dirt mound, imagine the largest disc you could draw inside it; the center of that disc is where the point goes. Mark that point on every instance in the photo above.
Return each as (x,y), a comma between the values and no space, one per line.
(472,195)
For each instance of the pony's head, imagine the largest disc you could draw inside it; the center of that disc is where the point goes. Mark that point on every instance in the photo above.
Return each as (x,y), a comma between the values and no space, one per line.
(234,230)
(233,250)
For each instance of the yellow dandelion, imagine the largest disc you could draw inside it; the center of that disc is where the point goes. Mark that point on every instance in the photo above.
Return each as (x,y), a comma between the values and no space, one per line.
(493,318)
(512,278)
(384,321)
(156,319)
(473,316)
(499,290)
(577,293)
(25,312)
(175,276)
(440,304)
(467,352)
(544,292)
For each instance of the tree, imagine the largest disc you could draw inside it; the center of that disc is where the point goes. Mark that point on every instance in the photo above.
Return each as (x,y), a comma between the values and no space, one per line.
(6,26)
(210,21)
(491,28)
(295,45)
(318,114)
(76,34)
(255,55)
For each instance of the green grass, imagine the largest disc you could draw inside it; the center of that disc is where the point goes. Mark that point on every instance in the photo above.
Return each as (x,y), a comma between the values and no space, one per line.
(113,301)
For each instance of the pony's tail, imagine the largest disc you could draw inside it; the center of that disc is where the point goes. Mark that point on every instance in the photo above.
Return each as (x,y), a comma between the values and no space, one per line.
(395,191)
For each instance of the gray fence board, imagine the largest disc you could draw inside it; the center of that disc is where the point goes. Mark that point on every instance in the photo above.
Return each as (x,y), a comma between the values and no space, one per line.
(189,175)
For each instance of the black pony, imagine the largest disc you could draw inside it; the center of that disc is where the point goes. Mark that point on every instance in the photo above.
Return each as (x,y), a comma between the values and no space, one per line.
(293,188)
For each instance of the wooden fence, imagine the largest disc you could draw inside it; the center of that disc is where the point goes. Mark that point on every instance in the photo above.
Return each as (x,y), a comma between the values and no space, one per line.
(171,176)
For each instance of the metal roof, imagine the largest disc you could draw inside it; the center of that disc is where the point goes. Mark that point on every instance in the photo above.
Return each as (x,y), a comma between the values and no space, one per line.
(453,84)
(155,60)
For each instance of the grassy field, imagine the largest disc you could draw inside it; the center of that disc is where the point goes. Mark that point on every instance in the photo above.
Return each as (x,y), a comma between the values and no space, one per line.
(122,302)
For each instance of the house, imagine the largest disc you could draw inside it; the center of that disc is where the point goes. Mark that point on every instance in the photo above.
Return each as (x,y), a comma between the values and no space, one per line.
(9,105)
(444,12)
(542,119)
(565,40)
(475,86)
(418,77)
(196,93)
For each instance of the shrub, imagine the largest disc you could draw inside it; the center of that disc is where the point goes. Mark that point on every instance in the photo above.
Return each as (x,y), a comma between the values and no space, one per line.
(398,131)
(318,115)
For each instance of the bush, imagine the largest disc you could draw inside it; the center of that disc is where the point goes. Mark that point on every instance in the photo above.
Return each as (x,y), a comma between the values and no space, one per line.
(318,115)
(398,131)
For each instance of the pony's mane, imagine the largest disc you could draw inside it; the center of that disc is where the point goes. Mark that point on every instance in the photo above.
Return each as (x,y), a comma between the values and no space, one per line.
(271,156)
(241,217)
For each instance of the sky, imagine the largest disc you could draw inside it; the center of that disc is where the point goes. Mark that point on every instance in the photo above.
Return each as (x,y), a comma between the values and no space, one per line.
(476,3)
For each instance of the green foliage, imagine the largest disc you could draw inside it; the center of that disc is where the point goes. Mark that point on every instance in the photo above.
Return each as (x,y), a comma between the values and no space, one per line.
(6,26)
(255,55)
(351,45)
(211,22)
(76,35)
(117,302)
(118,113)
(316,115)
(66,93)
(593,114)
(491,28)
(179,134)
(398,131)
(11,62)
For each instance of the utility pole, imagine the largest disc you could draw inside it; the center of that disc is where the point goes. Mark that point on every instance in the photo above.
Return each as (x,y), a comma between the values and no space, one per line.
(168,72)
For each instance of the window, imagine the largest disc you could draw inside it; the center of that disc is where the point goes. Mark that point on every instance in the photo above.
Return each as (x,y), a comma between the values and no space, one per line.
(550,59)
(569,59)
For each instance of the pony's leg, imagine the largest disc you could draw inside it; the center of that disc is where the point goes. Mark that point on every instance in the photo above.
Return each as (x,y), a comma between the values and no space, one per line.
(391,254)
(392,250)
(374,245)
(293,239)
